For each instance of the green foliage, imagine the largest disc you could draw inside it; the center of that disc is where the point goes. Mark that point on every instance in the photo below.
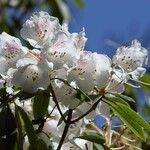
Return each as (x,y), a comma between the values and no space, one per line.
(92,136)
(24,95)
(133,120)
(7,129)
(28,128)
(41,145)
(97,147)
(19,130)
(145,82)
(125,97)
(40,104)
(115,99)
(62,117)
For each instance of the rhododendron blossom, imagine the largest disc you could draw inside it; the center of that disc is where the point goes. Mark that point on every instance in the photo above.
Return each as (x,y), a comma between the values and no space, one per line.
(65,86)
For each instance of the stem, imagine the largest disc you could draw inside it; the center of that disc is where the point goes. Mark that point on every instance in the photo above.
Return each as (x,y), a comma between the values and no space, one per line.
(68,123)
(50,112)
(91,109)
(56,102)
(108,132)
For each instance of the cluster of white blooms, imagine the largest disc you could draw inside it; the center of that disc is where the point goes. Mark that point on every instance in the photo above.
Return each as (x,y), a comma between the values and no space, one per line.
(57,53)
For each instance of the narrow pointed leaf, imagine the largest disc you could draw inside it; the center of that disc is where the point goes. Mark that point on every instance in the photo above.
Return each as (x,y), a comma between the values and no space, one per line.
(19,129)
(92,137)
(28,128)
(133,120)
(115,99)
(40,104)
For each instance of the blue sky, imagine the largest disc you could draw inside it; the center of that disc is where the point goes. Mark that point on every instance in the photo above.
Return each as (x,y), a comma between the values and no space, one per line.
(116,20)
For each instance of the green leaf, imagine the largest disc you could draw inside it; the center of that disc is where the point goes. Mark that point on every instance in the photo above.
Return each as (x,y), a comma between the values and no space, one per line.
(24,95)
(80,3)
(133,120)
(92,137)
(145,82)
(125,97)
(83,97)
(61,118)
(7,129)
(40,104)
(115,99)
(41,145)
(19,129)
(28,128)
(146,110)
(97,147)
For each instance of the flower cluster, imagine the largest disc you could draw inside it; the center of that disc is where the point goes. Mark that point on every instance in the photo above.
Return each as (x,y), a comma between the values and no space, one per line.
(58,59)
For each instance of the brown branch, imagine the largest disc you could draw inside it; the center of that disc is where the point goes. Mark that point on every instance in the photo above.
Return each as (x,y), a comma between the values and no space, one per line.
(66,128)
(56,102)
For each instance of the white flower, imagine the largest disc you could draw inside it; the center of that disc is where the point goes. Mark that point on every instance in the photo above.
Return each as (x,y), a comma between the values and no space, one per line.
(32,75)
(132,57)
(136,74)
(11,50)
(66,95)
(117,79)
(40,28)
(92,70)
(79,39)
(77,145)
(62,52)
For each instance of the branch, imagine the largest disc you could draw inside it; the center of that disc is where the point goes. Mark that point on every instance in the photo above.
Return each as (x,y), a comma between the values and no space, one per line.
(56,102)
(66,128)
(91,109)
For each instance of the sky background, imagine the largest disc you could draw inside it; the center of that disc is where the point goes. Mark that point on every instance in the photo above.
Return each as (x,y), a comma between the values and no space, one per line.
(111,23)
(119,21)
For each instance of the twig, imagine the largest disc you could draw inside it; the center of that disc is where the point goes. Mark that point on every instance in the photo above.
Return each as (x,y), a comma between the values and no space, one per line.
(68,123)
(91,109)
(56,102)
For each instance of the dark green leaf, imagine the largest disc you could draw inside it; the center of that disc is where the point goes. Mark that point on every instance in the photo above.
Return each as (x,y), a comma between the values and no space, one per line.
(24,95)
(7,129)
(19,129)
(61,119)
(83,97)
(28,128)
(92,137)
(97,147)
(40,104)
(41,145)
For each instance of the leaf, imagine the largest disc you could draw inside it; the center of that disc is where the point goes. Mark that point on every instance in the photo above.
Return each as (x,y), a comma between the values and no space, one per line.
(40,104)
(133,120)
(41,145)
(145,82)
(7,129)
(83,97)
(80,3)
(116,99)
(92,137)
(125,97)
(24,95)
(28,128)
(146,110)
(19,129)
(61,119)
(97,147)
